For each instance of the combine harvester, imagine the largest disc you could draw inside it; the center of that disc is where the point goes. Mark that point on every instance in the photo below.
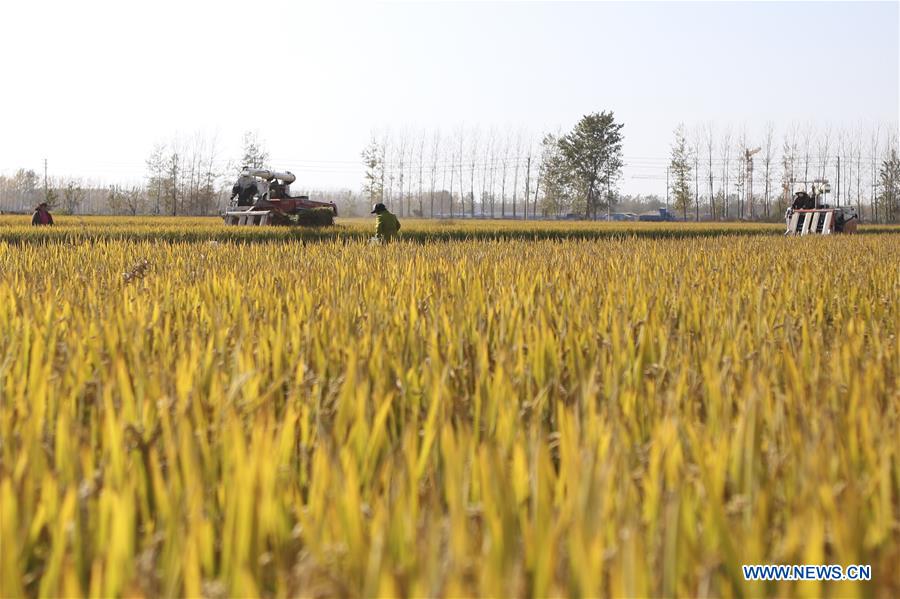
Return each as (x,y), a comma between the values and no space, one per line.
(262,197)
(808,216)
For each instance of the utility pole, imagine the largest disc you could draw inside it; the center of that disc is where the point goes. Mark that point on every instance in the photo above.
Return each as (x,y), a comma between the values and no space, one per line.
(873,192)
(838,180)
(46,193)
(527,188)
(667,189)
(383,170)
(748,154)
(452,172)
(697,189)
(515,187)
(472,190)
(608,191)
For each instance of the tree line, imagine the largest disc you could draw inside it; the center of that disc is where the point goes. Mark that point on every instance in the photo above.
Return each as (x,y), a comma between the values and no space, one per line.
(185,176)
(710,173)
(464,173)
(735,175)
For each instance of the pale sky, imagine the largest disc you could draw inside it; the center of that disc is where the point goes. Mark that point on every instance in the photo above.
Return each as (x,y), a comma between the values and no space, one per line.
(92,85)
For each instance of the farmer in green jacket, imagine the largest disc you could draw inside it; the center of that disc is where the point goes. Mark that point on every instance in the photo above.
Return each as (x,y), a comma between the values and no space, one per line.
(386,224)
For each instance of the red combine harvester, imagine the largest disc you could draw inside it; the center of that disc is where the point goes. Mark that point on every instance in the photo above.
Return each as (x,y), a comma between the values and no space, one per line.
(263,197)
(809,216)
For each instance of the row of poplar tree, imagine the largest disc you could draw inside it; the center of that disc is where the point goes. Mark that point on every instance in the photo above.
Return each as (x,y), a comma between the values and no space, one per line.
(721,175)
(708,174)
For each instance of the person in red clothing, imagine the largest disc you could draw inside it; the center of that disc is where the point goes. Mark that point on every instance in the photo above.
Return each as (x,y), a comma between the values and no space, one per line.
(41,216)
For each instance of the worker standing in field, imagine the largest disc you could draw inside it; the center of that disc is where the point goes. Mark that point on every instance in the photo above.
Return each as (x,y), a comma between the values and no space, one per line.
(244,190)
(41,216)
(386,224)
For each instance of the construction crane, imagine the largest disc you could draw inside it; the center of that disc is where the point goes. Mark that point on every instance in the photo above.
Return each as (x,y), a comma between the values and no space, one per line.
(748,157)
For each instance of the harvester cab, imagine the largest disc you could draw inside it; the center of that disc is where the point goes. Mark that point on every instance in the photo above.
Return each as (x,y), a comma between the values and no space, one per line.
(263,197)
(810,215)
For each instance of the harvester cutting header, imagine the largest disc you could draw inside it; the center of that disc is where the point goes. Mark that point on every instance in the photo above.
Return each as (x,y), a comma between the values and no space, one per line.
(263,197)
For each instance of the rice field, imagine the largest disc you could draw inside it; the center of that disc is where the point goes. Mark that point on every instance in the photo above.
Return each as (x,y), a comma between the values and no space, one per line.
(482,409)
(18,230)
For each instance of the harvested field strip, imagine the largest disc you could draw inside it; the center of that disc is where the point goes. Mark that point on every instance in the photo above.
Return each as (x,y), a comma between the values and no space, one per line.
(70,230)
